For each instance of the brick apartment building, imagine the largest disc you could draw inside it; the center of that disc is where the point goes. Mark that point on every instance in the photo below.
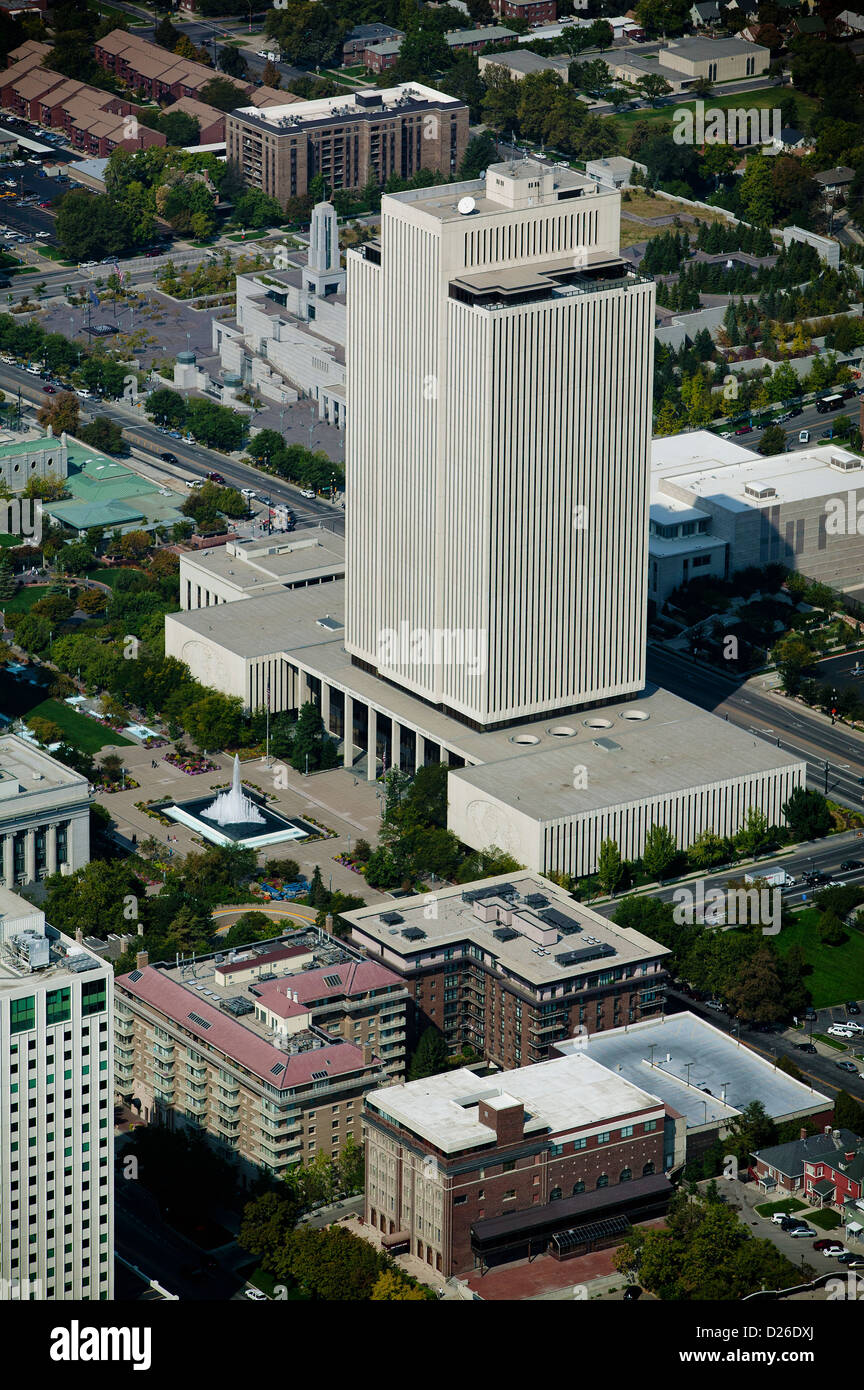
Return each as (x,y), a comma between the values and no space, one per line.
(152,70)
(533,11)
(347,139)
(465,1170)
(783,1165)
(364,36)
(513,965)
(378,57)
(268,1050)
(94,121)
(836,1177)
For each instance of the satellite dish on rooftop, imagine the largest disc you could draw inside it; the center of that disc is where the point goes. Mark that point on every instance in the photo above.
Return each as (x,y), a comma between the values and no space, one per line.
(465,205)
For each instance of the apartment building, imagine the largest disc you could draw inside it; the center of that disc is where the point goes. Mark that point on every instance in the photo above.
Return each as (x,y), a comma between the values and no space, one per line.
(362,36)
(532,11)
(56,1113)
(465,1170)
(269,1050)
(44,814)
(348,139)
(378,57)
(512,965)
(152,70)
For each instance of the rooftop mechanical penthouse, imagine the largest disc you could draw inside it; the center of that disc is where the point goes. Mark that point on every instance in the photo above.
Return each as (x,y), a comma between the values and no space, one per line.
(348,139)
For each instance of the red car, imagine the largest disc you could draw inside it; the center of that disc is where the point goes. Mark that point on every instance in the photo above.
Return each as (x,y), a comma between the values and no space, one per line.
(744,429)
(49,389)
(827,1245)
(43,205)
(216,478)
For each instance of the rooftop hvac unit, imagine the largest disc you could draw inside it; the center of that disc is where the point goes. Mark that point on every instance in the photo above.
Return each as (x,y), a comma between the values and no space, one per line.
(32,949)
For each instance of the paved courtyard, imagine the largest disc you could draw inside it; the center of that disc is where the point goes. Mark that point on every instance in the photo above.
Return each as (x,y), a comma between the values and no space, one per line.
(336,799)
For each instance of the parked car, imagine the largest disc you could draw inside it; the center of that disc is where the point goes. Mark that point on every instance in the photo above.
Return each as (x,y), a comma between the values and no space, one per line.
(827,1244)
(810,1016)
(833,1250)
(805,1047)
(631,1293)
(744,429)
(803,436)
(715,1004)
(798,1231)
(781,1218)
(852,1007)
(49,390)
(307,492)
(256,1295)
(839,1030)
(849,864)
(248,493)
(847,1066)
(168,458)
(214,477)
(849,1257)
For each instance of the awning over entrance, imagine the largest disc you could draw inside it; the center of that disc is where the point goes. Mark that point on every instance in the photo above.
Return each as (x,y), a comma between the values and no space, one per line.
(397,1238)
(635,1201)
(566,1241)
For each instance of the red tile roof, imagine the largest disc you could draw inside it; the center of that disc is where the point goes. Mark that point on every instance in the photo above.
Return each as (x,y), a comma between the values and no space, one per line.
(311,986)
(234,1039)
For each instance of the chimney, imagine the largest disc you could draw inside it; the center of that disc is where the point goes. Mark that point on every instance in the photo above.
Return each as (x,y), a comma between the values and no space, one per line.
(368,1054)
(140,928)
(827,1129)
(328,923)
(142,960)
(79,935)
(803,1132)
(849,1157)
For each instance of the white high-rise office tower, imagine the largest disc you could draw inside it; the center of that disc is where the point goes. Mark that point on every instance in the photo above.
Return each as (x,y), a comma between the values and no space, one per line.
(500,359)
(56,1113)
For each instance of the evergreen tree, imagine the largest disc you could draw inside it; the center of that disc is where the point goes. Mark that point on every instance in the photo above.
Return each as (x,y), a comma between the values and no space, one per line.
(8,582)
(431,1055)
(317,892)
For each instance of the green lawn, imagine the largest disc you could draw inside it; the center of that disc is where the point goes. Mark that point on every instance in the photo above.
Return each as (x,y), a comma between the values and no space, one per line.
(833,966)
(825,1220)
(788,1204)
(767,97)
(103,574)
(25,598)
(87,734)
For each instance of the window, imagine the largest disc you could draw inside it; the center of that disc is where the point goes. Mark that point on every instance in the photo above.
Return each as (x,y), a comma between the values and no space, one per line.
(555,1194)
(509,1166)
(626,1131)
(603,1180)
(93,997)
(648,1170)
(459,1201)
(649,1126)
(58,1007)
(22,1014)
(510,1196)
(578,1187)
(626,1174)
(604,1137)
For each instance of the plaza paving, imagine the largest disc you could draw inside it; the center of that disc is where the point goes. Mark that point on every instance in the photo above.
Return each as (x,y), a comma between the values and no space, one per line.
(344,804)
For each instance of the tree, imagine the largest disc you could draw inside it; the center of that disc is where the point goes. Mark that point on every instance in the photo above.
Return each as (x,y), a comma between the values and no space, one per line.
(772,440)
(312,748)
(831,930)
(350,1166)
(95,898)
(423,54)
(430,1057)
(90,227)
(807,814)
(249,927)
(332,1264)
(754,834)
(659,851)
(271,76)
(793,656)
(62,412)
(103,434)
(756,989)
(480,152)
(653,86)
(266,1227)
(317,891)
(391,1287)
(8,582)
(708,850)
(232,63)
(610,869)
(222,93)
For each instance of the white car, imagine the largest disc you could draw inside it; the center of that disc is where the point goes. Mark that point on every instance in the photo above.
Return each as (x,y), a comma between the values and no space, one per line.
(247,492)
(803,436)
(834,1251)
(307,492)
(256,1295)
(837,1030)
(83,393)
(852,1027)
(34,371)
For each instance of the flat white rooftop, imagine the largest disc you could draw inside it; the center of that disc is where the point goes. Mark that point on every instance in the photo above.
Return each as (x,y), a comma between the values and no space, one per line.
(533,911)
(566,1093)
(674,453)
(26,770)
(631,751)
(793,477)
(271,563)
(346,105)
(724,1074)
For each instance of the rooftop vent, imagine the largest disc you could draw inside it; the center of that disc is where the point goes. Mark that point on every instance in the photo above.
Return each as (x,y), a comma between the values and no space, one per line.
(413,934)
(845,465)
(607,744)
(196,1018)
(504,934)
(392,919)
(586,953)
(760,491)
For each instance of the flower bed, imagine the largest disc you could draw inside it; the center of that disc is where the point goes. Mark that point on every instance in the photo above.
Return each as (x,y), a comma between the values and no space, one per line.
(131,786)
(192,765)
(153,808)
